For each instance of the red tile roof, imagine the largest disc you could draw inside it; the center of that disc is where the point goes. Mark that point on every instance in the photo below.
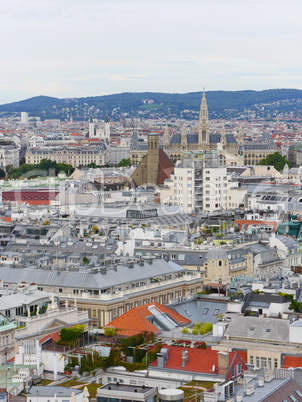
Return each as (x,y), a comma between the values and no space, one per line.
(203,361)
(248,222)
(55,336)
(292,361)
(135,321)
(242,354)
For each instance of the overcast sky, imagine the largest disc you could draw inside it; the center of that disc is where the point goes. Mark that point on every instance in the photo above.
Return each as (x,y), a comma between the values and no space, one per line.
(77,48)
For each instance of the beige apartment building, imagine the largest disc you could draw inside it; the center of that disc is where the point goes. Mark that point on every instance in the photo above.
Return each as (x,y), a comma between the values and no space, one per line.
(108,292)
(71,155)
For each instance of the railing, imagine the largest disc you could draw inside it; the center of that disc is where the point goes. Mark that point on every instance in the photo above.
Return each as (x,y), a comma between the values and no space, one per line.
(81,315)
(118,295)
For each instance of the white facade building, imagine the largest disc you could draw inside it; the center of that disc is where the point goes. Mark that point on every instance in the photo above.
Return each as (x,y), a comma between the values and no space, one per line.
(9,155)
(179,189)
(219,191)
(36,142)
(24,117)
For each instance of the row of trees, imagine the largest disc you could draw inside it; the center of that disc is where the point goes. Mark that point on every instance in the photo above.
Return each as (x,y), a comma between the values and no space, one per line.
(46,167)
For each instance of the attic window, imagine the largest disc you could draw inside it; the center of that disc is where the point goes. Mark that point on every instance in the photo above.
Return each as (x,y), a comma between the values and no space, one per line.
(205,311)
(216,312)
(188,313)
(252,328)
(268,330)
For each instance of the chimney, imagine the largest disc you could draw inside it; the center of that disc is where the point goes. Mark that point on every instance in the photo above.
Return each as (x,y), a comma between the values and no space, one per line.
(141,262)
(162,357)
(223,362)
(166,257)
(184,358)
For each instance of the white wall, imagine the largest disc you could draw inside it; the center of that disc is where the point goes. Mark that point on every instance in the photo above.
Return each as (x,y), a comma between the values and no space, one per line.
(295,332)
(53,360)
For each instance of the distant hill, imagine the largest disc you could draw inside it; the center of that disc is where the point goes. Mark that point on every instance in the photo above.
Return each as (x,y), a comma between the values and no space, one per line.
(221,104)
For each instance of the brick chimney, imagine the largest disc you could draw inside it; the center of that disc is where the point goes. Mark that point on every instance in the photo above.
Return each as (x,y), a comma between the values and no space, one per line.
(223,363)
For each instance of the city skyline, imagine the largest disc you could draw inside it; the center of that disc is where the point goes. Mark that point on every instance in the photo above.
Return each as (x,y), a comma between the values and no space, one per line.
(73,49)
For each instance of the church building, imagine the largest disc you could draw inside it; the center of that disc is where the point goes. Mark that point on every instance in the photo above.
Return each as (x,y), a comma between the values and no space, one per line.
(155,167)
(202,140)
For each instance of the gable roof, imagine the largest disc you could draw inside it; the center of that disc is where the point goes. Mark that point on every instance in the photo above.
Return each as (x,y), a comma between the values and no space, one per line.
(284,392)
(55,336)
(165,167)
(135,321)
(204,361)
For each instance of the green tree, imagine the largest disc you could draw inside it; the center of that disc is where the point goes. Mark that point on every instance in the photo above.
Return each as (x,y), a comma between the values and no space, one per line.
(64,167)
(86,260)
(276,160)
(47,164)
(124,163)
(93,165)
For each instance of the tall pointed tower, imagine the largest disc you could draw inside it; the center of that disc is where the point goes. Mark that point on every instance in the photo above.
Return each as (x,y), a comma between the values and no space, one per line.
(92,128)
(223,140)
(240,136)
(107,128)
(203,124)
(166,139)
(184,142)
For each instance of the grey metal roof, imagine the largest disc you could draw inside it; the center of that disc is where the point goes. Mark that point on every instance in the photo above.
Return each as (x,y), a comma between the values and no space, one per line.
(87,279)
(214,138)
(231,139)
(258,146)
(288,241)
(262,329)
(256,248)
(192,138)
(175,139)
(216,254)
(199,310)
(19,299)
(270,255)
(51,391)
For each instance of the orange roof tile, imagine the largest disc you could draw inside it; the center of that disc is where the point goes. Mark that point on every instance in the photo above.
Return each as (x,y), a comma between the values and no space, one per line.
(242,354)
(292,361)
(135,321)
(55,336)
(199,360)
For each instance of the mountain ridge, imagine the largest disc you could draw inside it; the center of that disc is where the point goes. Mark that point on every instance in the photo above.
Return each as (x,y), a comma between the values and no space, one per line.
(134,104)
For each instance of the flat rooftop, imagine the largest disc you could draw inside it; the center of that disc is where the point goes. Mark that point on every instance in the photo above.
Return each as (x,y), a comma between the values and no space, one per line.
(126,388)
